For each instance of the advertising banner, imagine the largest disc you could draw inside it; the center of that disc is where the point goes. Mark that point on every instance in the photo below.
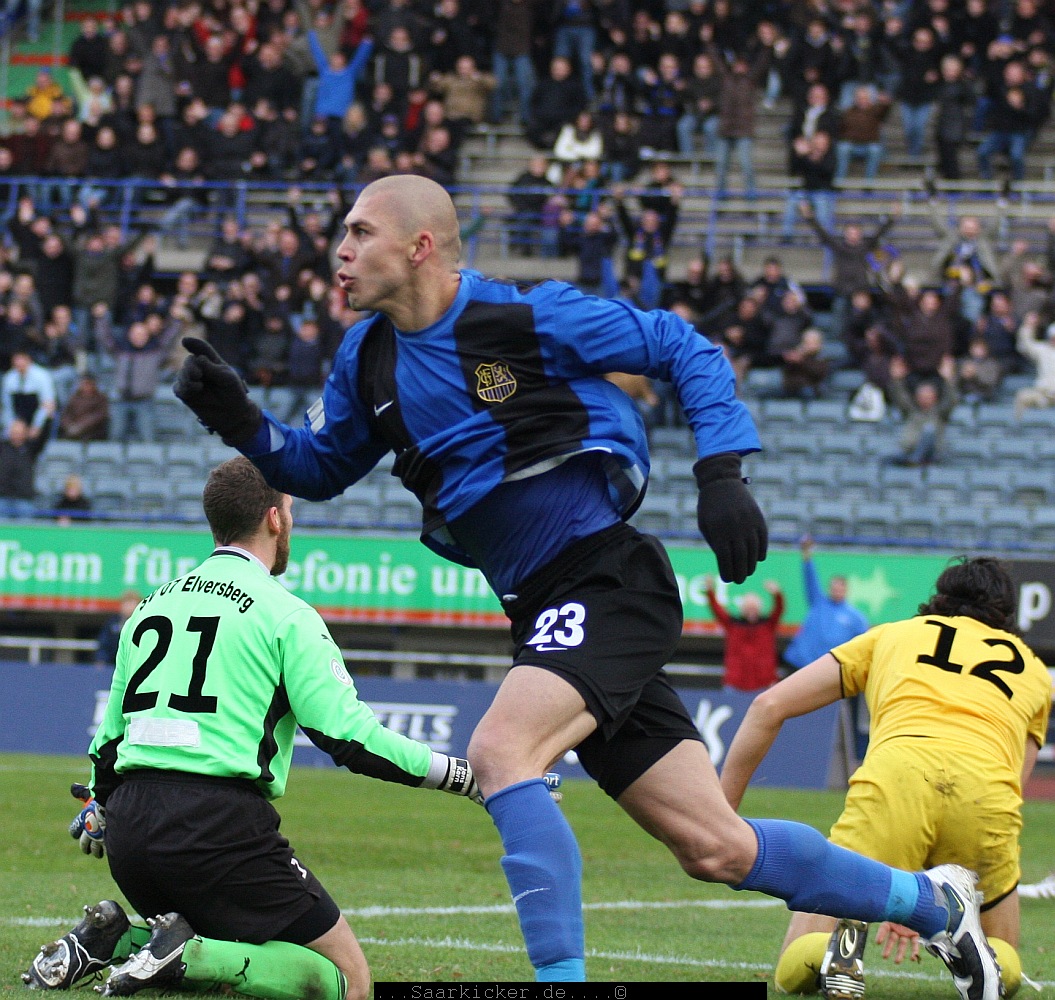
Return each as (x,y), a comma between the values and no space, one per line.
(442,714)
(375,579)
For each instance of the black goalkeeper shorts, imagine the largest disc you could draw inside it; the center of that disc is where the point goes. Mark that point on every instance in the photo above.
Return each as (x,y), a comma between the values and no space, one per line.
(210,849)
(607,616)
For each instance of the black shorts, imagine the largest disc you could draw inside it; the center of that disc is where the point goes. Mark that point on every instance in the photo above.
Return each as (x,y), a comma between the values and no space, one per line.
(210,849)
(607,616)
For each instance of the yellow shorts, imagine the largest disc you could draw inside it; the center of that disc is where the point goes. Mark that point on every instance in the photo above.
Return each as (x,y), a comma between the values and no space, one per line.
(915,803)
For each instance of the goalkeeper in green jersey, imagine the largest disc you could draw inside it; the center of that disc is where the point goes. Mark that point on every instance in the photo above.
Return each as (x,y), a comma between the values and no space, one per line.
(215,670)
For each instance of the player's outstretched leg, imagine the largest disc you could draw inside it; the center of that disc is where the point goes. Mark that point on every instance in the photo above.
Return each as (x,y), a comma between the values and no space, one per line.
(92,945)
(157,964)
(842,975)
(962,946)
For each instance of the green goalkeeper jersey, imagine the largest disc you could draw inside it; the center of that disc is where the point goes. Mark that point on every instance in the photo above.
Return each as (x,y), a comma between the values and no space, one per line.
(214,672)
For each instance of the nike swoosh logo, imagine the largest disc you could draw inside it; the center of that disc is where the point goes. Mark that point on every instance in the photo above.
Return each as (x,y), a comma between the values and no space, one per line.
(378,410)
(527,892)
(549,649)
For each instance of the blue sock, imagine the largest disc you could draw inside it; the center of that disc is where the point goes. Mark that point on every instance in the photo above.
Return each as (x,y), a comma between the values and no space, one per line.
(543,867)
(798,864)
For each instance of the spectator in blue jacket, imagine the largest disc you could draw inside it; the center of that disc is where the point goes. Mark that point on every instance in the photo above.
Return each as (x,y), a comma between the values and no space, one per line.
(830,619)
(338,77)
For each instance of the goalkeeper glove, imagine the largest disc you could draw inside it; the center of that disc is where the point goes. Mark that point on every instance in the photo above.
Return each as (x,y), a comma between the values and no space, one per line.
(454,775)
(729,518)
(89,826)
(216,394)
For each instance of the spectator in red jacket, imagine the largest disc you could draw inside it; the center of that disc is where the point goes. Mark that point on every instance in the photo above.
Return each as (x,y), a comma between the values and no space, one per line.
(750,657)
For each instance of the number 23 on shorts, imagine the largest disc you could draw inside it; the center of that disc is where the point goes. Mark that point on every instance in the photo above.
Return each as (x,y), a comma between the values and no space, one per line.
(559,628)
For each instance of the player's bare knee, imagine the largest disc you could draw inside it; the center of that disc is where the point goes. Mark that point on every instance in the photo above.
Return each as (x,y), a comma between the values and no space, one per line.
(708,858)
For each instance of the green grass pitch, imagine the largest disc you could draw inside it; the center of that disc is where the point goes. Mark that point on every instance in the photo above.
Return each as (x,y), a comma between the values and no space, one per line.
(418,875)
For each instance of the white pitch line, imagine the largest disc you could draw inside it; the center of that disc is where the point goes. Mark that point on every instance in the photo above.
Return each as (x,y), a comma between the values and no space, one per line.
(446,911)
(464,944)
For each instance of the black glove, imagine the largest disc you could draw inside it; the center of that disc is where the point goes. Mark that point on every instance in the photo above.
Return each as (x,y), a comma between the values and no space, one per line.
(729,518)
(216,394)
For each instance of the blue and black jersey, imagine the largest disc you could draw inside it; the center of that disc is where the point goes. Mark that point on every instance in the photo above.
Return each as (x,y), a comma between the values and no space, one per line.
(506,386)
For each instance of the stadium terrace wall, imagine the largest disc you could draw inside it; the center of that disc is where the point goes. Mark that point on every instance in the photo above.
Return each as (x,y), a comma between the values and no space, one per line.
(373,579)
(442,714)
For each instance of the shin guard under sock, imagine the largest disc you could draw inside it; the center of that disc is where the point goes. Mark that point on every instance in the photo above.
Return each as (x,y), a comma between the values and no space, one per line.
(543,867)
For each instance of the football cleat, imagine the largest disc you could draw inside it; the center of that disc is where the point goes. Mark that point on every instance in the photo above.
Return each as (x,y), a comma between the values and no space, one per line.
(86,949)
(157,964)
(1044,889)
(962,946)
(842,975)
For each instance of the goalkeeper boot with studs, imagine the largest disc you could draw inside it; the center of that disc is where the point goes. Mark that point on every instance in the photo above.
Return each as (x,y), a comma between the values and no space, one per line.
(87,949)
(962,946)
(842,975)
(157,964)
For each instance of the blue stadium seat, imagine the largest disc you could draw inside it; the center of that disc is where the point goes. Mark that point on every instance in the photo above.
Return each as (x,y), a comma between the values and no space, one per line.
(791,442)
(875,522)
(1044,450)
(831,519)
(658,515)
(153,497)
(320,515)
(963,415)
(104,459)
(967,448)
(989,486)
(963,526)
(60,459)
(901,483)
(1042,527)
(1038,422)
(400,510)
(857,481)
(113,495)
(144,460)
(1008,527)
(1032,486)
(186,461)
(763,382)
(788,520)
(919,522)
(782,412)
(673,441)
(846,443)
(814,481)
(173,421)
(826,416)
(945,486)
(847,381)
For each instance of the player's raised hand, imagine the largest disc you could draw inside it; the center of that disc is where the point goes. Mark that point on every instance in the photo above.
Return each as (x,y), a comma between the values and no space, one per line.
(216,393)
(729,518)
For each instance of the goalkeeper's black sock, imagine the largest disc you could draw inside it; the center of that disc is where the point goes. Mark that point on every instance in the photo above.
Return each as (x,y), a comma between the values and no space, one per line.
(275,970)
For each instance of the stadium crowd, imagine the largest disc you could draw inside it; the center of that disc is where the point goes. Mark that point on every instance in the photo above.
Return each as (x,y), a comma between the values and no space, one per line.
(188,97)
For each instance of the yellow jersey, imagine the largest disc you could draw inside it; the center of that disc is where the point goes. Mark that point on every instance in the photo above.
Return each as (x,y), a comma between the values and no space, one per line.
(950,678)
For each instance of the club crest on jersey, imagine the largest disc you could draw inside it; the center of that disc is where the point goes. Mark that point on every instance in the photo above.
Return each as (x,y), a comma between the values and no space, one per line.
(495,382)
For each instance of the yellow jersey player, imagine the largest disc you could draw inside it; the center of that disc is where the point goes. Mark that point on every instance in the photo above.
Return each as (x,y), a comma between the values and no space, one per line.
(959,708)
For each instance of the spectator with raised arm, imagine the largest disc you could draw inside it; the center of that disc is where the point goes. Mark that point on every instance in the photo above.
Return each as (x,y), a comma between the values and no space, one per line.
(749,656)
(830,618)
